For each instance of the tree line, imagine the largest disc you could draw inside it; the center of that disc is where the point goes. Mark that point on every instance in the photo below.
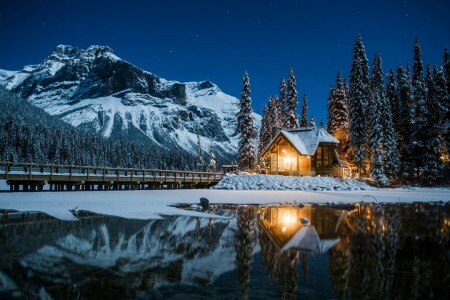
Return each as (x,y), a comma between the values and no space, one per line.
(395,129)
(280,111)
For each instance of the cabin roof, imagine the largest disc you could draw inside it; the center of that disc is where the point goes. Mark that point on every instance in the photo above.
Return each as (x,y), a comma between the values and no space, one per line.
(305,139)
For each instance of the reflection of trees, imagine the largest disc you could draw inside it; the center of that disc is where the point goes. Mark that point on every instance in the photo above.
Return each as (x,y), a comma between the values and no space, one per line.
(339,267)
(288,274)
(245,243)
(393,252)
(281,265)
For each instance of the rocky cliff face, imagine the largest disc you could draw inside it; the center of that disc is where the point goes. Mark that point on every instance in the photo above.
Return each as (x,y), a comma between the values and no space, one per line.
(97,91)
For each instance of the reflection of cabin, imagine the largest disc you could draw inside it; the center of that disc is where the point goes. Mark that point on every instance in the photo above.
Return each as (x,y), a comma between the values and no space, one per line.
(284,226)
(304,151)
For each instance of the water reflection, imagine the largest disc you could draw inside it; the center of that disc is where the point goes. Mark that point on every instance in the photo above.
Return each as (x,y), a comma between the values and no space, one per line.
(370,251)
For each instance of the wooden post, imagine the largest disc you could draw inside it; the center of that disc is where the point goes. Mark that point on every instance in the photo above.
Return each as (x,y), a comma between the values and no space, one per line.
(104,170)
(70,173)
(131,170)
(31,168)
(51,172)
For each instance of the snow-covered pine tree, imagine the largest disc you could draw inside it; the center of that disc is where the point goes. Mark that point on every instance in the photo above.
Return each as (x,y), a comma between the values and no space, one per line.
(200,161)
(419,96)
(390,146)
(436,97)
(405,123)
(246,127)
(338,113)
(265,131)
(304,111)
(312,123)
(272,112)
(283,108)
(375,123)
(212,159)
(292,102)
(358,101)
(392,96)
(446,71)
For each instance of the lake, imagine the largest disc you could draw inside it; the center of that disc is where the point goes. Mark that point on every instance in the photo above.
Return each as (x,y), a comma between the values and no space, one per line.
(372,251)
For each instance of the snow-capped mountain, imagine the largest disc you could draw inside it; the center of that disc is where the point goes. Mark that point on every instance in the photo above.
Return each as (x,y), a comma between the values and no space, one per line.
(95,90)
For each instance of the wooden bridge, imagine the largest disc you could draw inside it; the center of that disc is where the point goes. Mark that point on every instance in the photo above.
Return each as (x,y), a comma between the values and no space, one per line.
(33,177)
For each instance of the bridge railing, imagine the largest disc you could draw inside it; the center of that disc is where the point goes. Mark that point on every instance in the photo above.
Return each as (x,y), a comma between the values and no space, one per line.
(55,171)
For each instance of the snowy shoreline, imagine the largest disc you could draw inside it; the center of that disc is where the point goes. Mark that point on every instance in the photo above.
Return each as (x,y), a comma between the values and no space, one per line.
(153,204)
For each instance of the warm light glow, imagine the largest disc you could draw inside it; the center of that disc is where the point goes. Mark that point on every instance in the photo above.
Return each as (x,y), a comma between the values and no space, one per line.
(288,219)
(287,159)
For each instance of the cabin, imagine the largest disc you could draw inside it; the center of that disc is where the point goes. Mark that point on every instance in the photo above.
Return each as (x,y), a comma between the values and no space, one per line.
(305,151)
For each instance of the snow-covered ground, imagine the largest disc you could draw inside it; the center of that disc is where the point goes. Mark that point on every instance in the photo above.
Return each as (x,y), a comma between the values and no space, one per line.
(294,183)
(153,204)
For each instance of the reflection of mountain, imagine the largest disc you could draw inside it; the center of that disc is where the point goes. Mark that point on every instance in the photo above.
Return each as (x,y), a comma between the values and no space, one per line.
(182,250)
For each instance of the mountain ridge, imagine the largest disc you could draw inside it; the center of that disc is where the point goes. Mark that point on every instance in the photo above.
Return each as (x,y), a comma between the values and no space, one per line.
(97,91)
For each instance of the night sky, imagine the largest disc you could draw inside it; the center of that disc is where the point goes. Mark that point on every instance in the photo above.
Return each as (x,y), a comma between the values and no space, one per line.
(220,40)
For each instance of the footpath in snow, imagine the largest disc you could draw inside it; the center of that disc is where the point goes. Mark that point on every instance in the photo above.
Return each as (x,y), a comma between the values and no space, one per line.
(289,183)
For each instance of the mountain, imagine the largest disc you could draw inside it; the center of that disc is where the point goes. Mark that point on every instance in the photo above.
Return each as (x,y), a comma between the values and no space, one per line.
(97,91)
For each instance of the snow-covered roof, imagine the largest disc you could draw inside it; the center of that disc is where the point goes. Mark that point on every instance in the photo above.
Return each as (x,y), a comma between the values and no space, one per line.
(306,139)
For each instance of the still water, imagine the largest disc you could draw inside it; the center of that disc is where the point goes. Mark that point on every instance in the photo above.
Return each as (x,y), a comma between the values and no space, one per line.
(256,252)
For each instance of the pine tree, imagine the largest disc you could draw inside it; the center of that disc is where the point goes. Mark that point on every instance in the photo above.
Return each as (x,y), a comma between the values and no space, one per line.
(392,96)
(200,161)
(283,108)
(405,123)
(304,112)
(272,112)
(312,123)
(419,96)
(338,113)
(436,96)
(212,159)
(264,131)
(375,123)
(446,71)
(358,102)
(292,102)
(246,127)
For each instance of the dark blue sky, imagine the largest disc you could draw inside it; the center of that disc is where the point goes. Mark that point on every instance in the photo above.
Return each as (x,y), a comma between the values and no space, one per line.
(220,40)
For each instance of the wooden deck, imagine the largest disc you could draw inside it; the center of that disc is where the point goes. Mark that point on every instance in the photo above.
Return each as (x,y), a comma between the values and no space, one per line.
(33,177)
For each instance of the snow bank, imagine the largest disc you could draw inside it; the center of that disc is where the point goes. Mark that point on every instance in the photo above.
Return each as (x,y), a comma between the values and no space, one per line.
(293,183)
